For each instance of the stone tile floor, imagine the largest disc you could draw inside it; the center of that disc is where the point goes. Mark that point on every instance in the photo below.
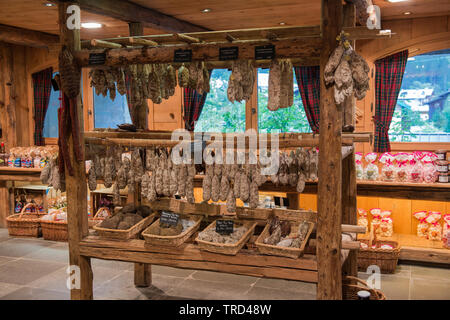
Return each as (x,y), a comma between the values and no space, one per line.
(36,269)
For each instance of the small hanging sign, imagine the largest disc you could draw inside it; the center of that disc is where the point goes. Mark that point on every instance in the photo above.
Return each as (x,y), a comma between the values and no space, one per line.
(96,59)
(228,53)
(169,218)
(266,52)
(181,55)
(224,226)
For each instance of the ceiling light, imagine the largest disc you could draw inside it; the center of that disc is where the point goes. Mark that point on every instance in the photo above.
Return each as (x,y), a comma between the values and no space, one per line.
(407,13)
(48,4)
(282,23)
(206,10)
(91,25)
(394,1)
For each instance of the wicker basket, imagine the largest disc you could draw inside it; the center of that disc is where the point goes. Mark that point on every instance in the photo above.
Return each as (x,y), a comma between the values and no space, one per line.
(386,259)
(282,251)
(55,230)
(130,233)
(97,218)
(25,224)
(228,248)
(173,241)
(351,286)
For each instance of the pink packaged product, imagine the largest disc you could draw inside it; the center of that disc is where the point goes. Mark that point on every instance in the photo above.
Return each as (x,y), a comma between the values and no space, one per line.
(359,166)
(446,231)
(422,227)
(401,170)
(362,219)
(386,228)
(371,171)
(435,229)
(429,171)
(416,168)
(387,171)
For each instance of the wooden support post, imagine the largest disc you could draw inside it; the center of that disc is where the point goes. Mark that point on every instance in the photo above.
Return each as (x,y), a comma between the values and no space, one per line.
(330,166)
(349,105)
(76,185)
(142,274)
(350,267)
(141,110)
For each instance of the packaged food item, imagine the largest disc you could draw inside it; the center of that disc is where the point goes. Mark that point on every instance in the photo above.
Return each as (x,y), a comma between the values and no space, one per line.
(435,232)
(434,229)
(401,170)
(415,169)
(429,169)
(359,166)
(371,171)
(422,227)
(362,219)
(443,177)
(387,172)
(386,228)
(376,219)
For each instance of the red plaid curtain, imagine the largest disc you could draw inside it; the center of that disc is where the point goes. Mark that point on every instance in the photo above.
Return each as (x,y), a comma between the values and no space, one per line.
(193,106)
(388,81)
(308,80)
(42,87)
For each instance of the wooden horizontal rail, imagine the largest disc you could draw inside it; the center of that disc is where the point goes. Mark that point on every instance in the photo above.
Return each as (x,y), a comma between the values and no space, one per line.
(346,245)
(114,133)
(353,228)
(211,209)
(247,262)
(104,44)
(292,48)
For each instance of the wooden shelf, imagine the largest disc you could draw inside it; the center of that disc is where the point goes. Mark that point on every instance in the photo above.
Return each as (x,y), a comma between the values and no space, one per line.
(20,174)
(416,191)
(414,248)
(246,262)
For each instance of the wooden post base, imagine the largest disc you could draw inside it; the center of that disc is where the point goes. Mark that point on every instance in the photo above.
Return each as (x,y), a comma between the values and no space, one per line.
(142,275)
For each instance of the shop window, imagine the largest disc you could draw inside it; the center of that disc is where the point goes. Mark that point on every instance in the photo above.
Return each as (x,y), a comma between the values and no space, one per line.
(291,119)
(422,113)
(51,117)
(219,114)
(109,113)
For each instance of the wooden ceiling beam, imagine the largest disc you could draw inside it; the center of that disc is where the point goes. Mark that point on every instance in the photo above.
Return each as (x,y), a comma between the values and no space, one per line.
(27,37)
(131,12)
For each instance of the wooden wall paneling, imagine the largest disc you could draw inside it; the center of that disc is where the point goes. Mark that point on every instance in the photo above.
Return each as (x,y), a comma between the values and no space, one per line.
(9,123)
(308,201)
(168,114)
(401,213)
(88,102)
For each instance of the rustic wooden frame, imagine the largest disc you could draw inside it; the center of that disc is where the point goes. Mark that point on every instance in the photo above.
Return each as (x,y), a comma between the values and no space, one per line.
(336,188)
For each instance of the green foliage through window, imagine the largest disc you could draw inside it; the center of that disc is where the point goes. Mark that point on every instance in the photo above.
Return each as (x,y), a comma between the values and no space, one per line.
(422,113)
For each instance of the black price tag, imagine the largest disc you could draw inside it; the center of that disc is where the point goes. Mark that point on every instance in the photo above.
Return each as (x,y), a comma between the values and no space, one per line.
(224,226)
(277,201)
(228,53)
(286,202)
(96,59)
(169,218)
(182,55)
(265,52)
